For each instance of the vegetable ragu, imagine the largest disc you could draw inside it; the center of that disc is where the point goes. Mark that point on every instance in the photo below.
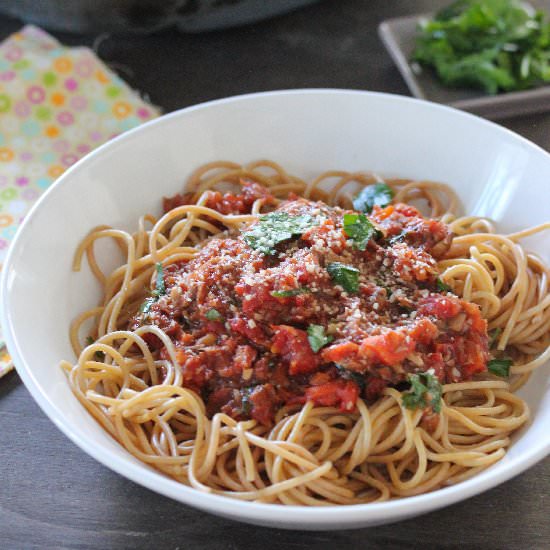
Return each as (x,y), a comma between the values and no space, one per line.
(317,303)
(493,45)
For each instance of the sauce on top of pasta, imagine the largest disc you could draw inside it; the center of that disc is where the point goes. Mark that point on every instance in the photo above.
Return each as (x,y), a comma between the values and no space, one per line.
(312,303)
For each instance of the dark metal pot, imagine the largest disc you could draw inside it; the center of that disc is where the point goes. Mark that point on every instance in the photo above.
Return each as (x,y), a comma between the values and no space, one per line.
(144,16)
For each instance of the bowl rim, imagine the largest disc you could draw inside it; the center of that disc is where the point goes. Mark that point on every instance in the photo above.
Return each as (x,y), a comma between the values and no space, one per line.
(291,515)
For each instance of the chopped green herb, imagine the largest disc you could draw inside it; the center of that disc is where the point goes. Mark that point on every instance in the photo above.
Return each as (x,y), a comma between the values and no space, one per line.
(317,337)
(160,287)
(360,229)
(425,391)
(492,45)
(275,228)
(289,293)
(213,315)
(493,336)
(346,276)
(380,194)
(500,367)
(356,377)
(441,286)
(89,340)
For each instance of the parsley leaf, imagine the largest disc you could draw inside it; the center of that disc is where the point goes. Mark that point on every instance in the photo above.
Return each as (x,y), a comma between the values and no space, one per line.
(500,367)
(317,337)
(213,315)
(276,227)
(441,286)
(425,391)
(289,293)
(360,229)
(359,379)
(346,276)
(380,194)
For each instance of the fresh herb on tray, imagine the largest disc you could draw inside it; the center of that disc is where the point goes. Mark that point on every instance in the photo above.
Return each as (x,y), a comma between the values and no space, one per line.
(493,45)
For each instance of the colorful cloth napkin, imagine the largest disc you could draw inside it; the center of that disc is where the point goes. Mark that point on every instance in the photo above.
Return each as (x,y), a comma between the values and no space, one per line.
(56,105)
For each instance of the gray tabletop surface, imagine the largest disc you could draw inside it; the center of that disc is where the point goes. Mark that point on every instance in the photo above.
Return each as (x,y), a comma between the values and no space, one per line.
(52,495)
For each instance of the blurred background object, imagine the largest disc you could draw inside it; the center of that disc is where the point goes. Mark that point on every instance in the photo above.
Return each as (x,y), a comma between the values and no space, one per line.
(145,16)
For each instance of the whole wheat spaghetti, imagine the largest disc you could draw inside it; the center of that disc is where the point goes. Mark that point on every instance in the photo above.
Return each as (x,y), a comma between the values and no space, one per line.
(247,400)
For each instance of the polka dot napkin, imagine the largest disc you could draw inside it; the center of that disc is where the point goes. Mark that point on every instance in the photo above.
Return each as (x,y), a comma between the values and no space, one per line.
(56,105)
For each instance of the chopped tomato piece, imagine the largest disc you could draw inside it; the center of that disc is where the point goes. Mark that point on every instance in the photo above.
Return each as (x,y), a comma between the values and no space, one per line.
(244,357)
(263,400)
(179,199)
(292,344)
(340,353)
(389,348)
(477,321)
(254,333)
(424,332)
(340,393)
(442,307)
(241,203)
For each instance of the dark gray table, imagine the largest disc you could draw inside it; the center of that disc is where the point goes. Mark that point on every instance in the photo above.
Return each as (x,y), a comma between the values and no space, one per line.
(52,495)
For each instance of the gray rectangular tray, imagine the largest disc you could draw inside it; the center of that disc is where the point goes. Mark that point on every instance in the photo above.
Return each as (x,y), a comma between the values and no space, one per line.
(398,35)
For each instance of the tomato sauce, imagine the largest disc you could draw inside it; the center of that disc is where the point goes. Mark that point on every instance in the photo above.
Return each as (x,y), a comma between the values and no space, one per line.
(239,318)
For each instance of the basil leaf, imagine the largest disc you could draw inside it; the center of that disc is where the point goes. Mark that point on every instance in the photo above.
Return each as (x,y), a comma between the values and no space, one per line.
(346,276)
(493,45)
(275,228)
(317,337)
(160,287)
(441,286)
(425,391)
(380,194)
(500,367)
(213,315)
(289,293)
(360,229)
(356,377)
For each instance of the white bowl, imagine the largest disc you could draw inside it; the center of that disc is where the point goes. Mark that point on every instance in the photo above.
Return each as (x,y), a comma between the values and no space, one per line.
(496,173)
